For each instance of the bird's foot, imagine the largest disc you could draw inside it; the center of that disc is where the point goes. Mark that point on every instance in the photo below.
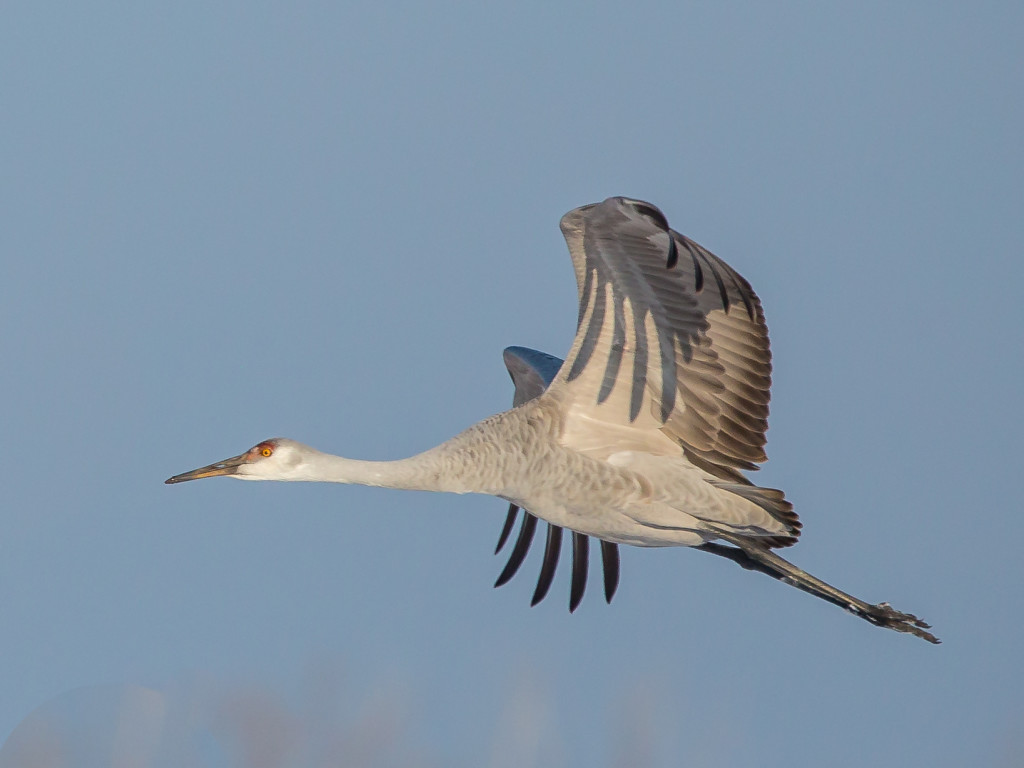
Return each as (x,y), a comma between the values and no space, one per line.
(884,615)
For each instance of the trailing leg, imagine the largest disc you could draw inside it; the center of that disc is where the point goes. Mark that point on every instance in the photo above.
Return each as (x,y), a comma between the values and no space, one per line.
(754,556)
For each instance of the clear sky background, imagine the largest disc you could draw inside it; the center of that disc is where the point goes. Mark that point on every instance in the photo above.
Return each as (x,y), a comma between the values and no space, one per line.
(225,222)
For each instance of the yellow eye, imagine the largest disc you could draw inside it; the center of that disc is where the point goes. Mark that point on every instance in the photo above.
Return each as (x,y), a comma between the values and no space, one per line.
(266,450)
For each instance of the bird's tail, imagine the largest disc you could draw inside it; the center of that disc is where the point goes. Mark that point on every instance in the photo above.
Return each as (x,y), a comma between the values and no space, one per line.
(774,502)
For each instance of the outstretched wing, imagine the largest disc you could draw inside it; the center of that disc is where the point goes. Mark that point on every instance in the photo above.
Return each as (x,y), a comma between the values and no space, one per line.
(532,372)
(669,337)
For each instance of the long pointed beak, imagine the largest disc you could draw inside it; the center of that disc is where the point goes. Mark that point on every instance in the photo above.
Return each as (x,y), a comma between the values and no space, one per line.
(226,467)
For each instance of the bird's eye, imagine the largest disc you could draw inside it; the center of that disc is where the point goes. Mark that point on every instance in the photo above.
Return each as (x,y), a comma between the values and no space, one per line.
(266,450)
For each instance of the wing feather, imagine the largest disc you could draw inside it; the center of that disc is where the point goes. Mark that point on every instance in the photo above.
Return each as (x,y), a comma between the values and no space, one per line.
(532,372)
(669,337)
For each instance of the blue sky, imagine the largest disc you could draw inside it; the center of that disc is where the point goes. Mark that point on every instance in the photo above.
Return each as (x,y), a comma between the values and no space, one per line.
(221,224)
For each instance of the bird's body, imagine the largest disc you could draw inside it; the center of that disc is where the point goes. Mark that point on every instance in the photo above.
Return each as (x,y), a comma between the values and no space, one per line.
(641,496)
(642,435)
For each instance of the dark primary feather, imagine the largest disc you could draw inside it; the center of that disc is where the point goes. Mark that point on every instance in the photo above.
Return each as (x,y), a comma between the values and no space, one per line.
(610,561)
(510,520)
(580,565)
(552,550)
(552,547)
(519,550)
(655,215)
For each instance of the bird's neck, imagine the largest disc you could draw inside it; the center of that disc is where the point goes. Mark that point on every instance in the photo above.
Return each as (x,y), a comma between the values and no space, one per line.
(490,457)
(424,472)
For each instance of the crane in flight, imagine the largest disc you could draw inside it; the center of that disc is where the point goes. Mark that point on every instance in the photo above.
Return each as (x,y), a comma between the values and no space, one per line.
(643,433)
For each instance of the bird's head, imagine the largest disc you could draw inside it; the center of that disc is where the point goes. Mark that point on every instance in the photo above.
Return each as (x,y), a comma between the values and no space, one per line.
(274,459)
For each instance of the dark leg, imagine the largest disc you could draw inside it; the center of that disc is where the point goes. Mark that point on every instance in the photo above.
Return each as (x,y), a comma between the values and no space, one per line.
(756,557)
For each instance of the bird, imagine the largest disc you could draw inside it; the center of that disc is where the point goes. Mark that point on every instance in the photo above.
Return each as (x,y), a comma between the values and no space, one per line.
(643,434)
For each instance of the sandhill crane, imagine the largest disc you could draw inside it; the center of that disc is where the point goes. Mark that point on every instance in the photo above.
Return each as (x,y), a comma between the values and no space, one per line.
(643,434)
